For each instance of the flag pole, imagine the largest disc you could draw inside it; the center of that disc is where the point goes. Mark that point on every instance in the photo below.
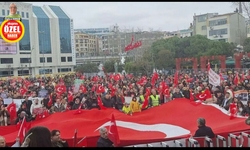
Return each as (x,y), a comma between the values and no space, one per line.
(81,140)
(20,127)
(74,142)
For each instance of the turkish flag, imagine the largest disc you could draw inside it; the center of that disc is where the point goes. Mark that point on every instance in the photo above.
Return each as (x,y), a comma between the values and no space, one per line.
(208,66)
(117,77)
(155,76)
(12,110)
(95,78)
(205,95)
(24,127)
(100,103)
(113,133)
(60,89)
(70,96)
(221,77)
(61,80)
(79,110)
(111,76)
(50,100)
(176,79)
(82,77)
(22,91)
(236,79)
(83,88)
(190,80)
(145,103)
(166,91)
(100,89)
(233,111)
(191,95)
(93,88)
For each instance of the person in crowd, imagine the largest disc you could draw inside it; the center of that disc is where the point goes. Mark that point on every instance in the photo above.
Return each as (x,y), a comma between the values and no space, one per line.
(228,100)
(142,98)
(186,92)
(103,140)
(2,142)
(4,116)
(154,99)
(177,94)
(219,96)
(240,108)
(27,102)
(118,101)
(126,108)
(92,103)
(203,130)
(134,105)
(27,118)
(58,107)
(65,103)
(108,102)
(68,82)
(56,139)
(77,104)
(246,112)
(23,108)
(38,136)
(35,105)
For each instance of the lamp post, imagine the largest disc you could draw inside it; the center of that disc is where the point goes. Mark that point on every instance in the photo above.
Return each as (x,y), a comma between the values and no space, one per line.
(42,32)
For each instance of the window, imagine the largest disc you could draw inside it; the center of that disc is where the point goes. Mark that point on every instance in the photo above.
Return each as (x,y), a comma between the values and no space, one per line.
(27,15)
(63,59)
(64,70)
(22,14)
(6,60)
(203,27)
(42,59)
(6,73)
(24,43)
(49,59)
(43,30)
(3,12)
(202,18)
(23,72)
(218,22)
(69,59)
(45,71)
(8,12)
(218,32)
(18,12)
(25,60)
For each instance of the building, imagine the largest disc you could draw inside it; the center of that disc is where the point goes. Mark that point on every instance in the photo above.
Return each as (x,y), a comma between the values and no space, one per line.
(47,45)
(168,35)
(86,44)
(200,23)
(230,27)
(99,32)
(186,33)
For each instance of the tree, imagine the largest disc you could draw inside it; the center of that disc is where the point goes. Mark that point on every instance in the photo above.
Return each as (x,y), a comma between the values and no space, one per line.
(246,45)
(245,8)
(87,68)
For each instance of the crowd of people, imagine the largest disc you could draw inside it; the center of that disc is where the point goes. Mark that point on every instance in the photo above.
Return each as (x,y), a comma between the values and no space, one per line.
(146,92)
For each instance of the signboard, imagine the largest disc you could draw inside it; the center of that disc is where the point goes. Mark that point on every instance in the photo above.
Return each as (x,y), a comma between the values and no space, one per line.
(242,95)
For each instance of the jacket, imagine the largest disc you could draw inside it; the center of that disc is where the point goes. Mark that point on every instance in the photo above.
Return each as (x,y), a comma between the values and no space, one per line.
(57,108)
(118,102)
(108,102)
(104,142)
(230,100)
(135,106)
(204,131)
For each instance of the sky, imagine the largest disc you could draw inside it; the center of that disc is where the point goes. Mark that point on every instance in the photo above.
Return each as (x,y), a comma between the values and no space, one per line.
(163,16)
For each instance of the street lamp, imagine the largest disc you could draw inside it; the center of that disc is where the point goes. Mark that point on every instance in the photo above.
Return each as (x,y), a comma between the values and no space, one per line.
(42,32)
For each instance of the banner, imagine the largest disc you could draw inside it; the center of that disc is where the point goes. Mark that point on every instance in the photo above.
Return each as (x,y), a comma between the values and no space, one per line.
(143,127)
(214,78)
(77,84)
(243,95)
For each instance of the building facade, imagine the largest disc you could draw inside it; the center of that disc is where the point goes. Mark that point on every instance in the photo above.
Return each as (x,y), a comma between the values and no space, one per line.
(186,33)
(86,45)
(47,45)
(229,27)
(200,23)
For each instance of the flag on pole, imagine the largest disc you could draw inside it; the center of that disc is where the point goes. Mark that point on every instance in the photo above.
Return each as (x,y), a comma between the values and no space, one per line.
(12,110)
(176,79)
(113,132)
(24,127)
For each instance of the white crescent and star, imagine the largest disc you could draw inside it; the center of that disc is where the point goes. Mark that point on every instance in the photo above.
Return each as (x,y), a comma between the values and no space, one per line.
(201,97)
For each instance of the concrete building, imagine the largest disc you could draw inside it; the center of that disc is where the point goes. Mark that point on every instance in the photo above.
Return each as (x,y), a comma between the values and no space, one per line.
(200,23)
(86,45)
(186,33)
(229,27)
(47,45)
(168,35)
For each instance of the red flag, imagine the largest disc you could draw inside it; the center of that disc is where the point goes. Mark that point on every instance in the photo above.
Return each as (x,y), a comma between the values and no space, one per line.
(145,103)
(117,77)
(176,79)
(12,110)
(50,100)
(22,90)
(242,77)
(82,77)
(208,66)
(100,103)
(79,110)
(111,76)
(100,89)
(70,96)
(205,95)
(156,76)
(24,127)
(95,78)
(75,138)
(113,132)
(61,80)
(233,111)
(83,88)
(189,80)
(208,94)
(236,79)
(166,90)
(60,89)
(191,95)
(93,88)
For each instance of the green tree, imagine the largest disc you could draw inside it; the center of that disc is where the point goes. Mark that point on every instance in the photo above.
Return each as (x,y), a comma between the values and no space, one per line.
(246,45)
(87,68)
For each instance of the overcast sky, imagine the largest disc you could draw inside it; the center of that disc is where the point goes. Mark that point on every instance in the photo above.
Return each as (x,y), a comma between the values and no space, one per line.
(164,16)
